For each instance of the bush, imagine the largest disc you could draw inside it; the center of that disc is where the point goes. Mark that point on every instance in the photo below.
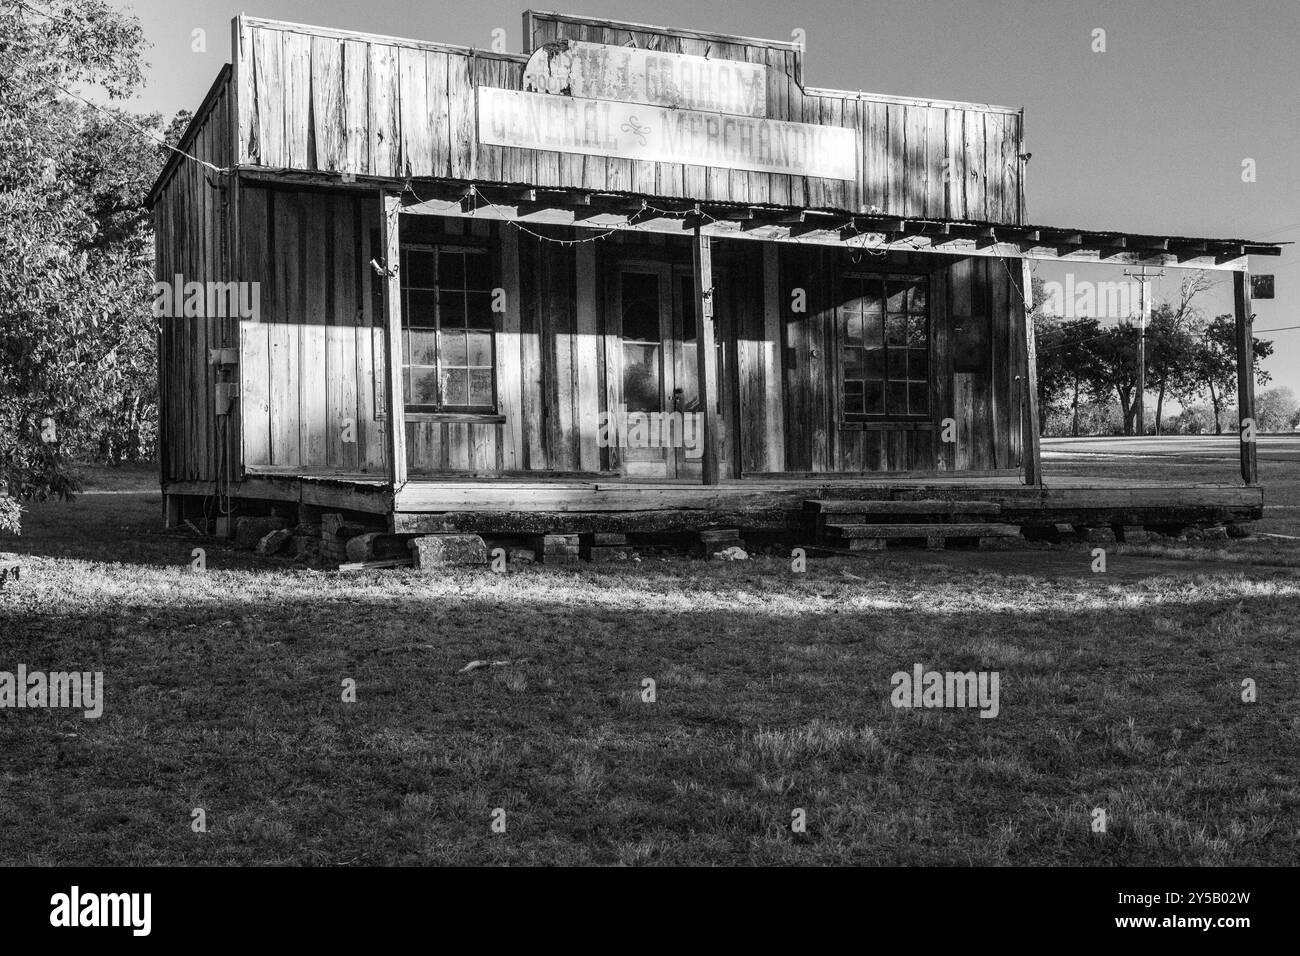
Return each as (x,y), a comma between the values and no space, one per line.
(10,513)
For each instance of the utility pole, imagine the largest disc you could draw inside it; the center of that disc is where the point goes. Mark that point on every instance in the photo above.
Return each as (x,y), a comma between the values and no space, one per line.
(1139,426)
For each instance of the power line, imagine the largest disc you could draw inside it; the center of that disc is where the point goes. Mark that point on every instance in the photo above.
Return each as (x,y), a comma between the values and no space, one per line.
(127,125)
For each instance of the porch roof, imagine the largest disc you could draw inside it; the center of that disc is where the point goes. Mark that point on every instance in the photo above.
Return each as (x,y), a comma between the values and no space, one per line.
(606,211)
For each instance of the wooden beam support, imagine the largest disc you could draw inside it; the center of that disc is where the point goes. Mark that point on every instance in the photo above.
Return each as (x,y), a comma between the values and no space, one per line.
(702,258)
(1033,463)
(390,207)
(1245,377)
(761,219)
(804,228)
(729,213)
(856,230)
(1059,238)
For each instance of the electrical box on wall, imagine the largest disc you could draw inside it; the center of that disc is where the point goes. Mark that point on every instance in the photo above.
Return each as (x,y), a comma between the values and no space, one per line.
(226,393)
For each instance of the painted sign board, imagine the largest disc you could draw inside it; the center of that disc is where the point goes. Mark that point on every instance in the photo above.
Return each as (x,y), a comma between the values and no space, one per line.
(600,71)
(598,127)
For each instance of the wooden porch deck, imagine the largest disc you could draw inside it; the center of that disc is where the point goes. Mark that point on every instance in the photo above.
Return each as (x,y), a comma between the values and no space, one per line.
(537,505)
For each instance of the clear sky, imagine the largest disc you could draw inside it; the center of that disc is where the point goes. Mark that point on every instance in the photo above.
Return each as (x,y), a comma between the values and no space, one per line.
(1146,137)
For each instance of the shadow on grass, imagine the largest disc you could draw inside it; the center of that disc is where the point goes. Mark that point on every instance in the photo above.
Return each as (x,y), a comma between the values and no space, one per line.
(771,692)
(106,526)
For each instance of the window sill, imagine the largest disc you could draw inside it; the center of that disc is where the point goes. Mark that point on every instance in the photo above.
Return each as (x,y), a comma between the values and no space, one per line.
(888,426)
(469,418)
(473,418)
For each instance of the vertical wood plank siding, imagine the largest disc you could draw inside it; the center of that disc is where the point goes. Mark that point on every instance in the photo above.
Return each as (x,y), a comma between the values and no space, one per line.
(193,241)
(394,108)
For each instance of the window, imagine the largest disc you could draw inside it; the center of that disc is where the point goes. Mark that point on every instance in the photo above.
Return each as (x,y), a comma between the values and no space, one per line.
(448,359)
(885,347)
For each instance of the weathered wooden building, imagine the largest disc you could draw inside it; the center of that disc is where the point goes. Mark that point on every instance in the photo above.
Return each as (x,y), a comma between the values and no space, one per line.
(631,276)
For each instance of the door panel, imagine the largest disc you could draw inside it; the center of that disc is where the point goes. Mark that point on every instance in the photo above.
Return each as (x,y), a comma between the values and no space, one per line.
(643,301)
(659,370)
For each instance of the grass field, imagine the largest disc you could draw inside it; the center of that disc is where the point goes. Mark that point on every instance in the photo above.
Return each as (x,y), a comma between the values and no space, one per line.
(1119,691)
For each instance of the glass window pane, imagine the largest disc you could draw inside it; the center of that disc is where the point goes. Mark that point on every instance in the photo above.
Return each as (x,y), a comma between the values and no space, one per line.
(453,348)
(479,348)
(640,307)
(451,309)
(873,330)
(420,309)
(853,395)
(916,301)
(851,359)
(897,364)
(917,333)
(852,329)
(917,398)
(423,347)
(874,363)
(418,272)
(478,306)
(871,297)
(641,377)
(451,270)
(478,271)
(480,386)
(424,386)
(455,388)
(875,397)
(896,394)
(896,290)
(918,364)
(896,330)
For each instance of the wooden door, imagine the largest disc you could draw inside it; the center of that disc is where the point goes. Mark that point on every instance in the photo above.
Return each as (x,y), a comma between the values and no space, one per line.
(658,375)
(647,367)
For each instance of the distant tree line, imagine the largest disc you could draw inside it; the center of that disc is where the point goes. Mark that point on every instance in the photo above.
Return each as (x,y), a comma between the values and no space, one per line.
(1088,371)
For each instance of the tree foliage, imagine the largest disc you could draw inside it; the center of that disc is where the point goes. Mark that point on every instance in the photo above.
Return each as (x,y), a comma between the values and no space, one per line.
(1213,368)
(77,352)
(1085,366)
(1276,410)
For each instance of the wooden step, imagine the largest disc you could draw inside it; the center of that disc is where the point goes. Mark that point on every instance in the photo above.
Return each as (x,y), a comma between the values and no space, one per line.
(927,507)
(922,530)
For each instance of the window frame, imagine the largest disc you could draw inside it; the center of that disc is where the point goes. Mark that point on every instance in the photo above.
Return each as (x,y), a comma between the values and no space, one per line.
(854,419)
(445,411)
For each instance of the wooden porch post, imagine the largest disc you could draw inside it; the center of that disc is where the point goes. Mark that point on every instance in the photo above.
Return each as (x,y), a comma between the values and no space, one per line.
(390,207)
(704,339)
(1245,376)
(1029,355)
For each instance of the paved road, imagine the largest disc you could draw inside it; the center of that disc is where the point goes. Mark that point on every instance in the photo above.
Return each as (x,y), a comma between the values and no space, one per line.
(1190,448)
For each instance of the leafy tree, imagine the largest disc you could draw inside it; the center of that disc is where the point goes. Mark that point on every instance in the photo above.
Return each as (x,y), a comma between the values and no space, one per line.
(1276,410)
(1070,367)
(1213,368)
(1170,343)
(1116,349)
(75,252)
